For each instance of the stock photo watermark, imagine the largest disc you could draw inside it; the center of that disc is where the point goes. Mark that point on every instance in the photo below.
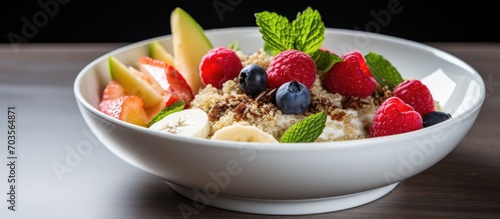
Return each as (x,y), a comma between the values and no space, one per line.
(408,164)
(32,24)
(75,154)
(12,158)
(381,19)
(219,180)
(491,86)
(223,6)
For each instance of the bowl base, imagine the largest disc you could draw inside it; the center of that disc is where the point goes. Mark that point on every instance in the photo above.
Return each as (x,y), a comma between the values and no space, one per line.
(285,207)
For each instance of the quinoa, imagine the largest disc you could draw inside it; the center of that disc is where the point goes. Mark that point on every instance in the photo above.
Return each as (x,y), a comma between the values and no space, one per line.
(230,105)
(260,58)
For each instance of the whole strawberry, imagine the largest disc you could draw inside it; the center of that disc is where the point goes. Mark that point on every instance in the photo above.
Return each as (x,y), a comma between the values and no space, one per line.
(351,77)
(394,117)
(416,94)
(219,65)
(291,65)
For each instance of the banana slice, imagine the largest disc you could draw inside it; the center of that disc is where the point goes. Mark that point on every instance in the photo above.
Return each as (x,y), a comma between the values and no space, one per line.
(243,133)
(188,122)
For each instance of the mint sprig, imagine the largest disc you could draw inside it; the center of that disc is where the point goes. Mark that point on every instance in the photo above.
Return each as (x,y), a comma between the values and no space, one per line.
(306,130)
(324,60)
(276,31)
(305,33)
(383,71)
(172,108)
(309,31)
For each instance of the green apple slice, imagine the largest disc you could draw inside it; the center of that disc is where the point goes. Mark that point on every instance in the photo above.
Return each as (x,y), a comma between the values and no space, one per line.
(133,83)
(157,51)
(190,44)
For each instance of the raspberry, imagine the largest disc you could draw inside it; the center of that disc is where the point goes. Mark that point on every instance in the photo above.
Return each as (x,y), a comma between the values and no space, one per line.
(351,77)
(219,65)
(416,94)
(291,65)
(394,117)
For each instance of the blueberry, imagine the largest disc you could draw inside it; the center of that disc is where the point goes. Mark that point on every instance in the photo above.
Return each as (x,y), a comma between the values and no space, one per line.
(293,97)
(435,117)
(253,79)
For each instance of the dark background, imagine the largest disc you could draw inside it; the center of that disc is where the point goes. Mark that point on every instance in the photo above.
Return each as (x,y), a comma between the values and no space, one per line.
(40,21)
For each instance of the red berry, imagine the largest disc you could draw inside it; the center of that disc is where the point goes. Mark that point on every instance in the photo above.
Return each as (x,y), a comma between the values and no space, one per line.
(219,65)
(394,117)
(416,94)
(291,65)
(352,77)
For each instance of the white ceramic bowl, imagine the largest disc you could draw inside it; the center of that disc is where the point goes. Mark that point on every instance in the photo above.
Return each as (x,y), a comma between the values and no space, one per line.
(291,179)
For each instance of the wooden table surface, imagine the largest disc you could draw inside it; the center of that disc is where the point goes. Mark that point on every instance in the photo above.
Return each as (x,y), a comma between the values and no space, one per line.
(53,182)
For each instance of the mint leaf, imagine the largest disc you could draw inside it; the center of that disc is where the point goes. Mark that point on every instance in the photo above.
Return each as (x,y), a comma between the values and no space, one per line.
(306,33)
(172,108)
(276,30)
(234,45)
(309,30)
(383,71)
(307,130)
(324,60)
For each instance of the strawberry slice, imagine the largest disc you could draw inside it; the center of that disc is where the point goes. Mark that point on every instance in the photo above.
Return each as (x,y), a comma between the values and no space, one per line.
(128,108)
(113,90)
(173,83)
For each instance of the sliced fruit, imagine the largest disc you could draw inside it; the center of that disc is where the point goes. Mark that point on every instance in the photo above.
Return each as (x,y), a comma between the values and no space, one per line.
(132,83)
(157,51)
(148,78)
(153,110)
(113,90)
(128,108)
(190,44)
(189,122)
(169,79)
(243,133)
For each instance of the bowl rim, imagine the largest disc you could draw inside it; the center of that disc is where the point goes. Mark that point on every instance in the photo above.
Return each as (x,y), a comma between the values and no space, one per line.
(367,142)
